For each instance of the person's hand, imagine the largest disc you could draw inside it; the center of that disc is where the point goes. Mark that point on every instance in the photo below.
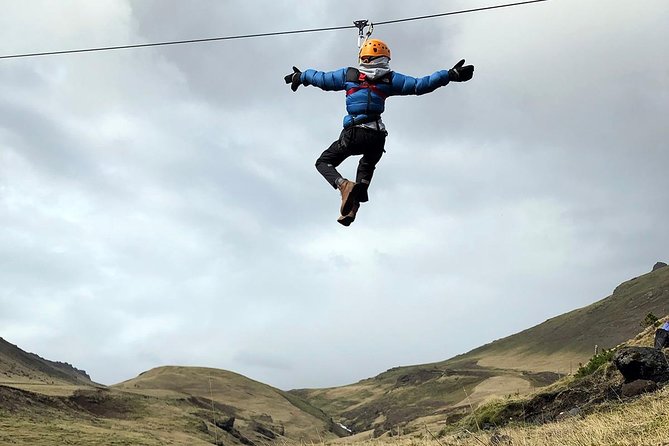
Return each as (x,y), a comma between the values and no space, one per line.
(461,72)
(293,79)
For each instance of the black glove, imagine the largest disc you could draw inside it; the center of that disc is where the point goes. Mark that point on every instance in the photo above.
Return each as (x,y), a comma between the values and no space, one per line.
(460,73)
(293,79)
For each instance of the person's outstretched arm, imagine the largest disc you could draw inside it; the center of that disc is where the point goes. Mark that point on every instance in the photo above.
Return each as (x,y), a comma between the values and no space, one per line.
(407,85)
(328,81)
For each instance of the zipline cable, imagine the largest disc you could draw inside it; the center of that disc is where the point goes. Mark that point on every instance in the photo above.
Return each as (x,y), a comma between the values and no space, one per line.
(175,42)
(444,14)
(269,34)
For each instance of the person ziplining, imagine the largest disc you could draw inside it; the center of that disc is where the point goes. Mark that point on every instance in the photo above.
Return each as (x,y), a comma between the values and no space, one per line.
(367,88)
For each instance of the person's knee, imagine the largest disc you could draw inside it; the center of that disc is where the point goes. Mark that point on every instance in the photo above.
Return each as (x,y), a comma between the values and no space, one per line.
(367,166)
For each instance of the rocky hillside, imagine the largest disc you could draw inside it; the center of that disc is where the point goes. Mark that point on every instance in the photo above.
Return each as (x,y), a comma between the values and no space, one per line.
(191,405)
(564,341)
(109,416)
(410,396)
(18,367)
(252,410)
(614,377)
(167,405)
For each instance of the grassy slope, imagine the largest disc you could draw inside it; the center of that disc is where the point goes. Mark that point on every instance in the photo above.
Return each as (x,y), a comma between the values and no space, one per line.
(406,396)
(571,337)
(640,422)
(168,405)
(402,394)
(247,400)
(31,372)
(103,417)
(158,406)
(603,417)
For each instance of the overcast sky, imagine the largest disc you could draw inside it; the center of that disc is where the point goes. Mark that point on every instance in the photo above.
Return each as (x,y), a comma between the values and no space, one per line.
(161,206)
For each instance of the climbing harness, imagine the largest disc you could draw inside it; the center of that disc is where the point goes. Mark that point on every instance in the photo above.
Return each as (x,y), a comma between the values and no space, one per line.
(354,75)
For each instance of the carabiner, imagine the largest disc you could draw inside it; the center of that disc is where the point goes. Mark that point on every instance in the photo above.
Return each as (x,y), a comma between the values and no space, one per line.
(370,29)
(361,24)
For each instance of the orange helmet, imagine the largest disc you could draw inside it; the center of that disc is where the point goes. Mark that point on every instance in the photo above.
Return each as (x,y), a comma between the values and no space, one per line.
(374,48)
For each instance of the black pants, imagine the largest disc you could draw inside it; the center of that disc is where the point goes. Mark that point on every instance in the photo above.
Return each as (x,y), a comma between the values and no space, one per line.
(353,141)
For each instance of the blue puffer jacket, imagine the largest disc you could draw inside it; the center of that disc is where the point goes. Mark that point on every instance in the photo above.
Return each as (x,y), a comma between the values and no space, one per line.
(365,103)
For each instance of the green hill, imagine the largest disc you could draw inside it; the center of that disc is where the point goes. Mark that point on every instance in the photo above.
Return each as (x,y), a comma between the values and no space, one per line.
(407,397)
(44,402)
(29,371)
(560,343)
(257,408)
(196,405)
(109,416)
(167,405)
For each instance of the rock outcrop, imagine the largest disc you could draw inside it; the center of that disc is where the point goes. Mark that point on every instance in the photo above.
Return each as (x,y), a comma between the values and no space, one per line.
(659,265)
(642,363)
(638,387)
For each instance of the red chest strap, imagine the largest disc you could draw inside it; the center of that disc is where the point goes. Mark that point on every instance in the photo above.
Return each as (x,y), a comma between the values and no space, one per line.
(364,84)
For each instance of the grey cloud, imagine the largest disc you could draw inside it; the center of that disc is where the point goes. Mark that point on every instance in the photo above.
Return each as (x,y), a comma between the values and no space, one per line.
(37,136)
(179,186)
(261,360)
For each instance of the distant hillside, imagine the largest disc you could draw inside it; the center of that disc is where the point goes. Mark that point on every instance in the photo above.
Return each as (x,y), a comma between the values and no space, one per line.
(598,390)
(562,342)
(19,368)
(257,408)
(48,403)
(406,397)
(109,416)
(44,402)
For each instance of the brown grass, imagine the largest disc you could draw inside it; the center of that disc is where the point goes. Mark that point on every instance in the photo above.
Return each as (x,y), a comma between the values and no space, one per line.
(559,345)
(49,389)
(494,387)
(245,397)
(643,422)
(46,422)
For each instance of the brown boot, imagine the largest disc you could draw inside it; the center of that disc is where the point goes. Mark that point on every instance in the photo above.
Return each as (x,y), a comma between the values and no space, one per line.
(349,218)
(349,191)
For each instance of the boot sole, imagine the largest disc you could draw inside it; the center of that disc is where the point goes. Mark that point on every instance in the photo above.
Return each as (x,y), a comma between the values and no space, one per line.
(352,198)
(346,220)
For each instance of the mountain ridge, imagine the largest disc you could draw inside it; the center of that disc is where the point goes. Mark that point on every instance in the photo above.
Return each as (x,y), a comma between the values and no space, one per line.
(17,365)
(535,357)
(252,406)
(209,404)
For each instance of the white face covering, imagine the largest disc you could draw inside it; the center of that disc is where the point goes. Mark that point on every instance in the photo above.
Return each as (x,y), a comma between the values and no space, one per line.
(376,68)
